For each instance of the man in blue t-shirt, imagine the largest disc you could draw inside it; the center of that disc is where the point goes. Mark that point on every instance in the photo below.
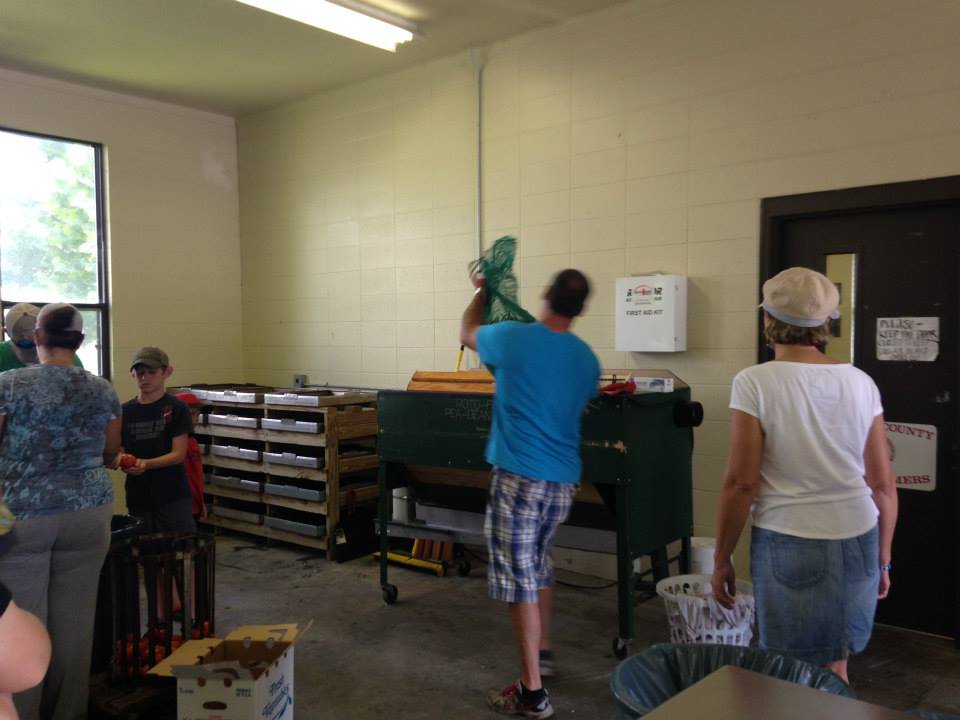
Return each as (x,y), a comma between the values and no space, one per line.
(545,375)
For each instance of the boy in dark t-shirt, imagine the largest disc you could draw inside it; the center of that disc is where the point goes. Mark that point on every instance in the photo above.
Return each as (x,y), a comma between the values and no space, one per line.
(156,429)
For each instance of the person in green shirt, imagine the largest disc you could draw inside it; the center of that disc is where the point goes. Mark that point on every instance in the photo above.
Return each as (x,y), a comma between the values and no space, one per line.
(21,350)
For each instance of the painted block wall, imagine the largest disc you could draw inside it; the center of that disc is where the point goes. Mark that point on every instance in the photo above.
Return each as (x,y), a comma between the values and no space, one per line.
(357,224)
(637,139)
(172,218)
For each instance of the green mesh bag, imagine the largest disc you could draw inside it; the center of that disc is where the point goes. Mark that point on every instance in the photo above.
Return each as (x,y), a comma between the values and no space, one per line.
(496,267)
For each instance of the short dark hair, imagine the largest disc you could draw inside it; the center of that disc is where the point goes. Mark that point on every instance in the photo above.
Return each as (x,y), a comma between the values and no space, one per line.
(53,333)
(568,293)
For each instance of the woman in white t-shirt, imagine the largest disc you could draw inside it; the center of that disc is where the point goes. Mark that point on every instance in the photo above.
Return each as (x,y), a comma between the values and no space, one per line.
(808,457)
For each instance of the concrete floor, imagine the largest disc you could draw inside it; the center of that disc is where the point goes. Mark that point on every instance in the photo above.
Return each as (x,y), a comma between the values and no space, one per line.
(436,652)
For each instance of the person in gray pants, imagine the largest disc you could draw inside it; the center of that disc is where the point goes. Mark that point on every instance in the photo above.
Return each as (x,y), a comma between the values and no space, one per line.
(59,426)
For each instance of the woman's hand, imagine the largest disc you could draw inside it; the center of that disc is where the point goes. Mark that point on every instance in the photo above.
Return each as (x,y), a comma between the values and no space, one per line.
(884,588)
(724,583)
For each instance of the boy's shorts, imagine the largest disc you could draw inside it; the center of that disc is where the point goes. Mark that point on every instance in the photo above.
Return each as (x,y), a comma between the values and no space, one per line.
(522,519)
(174,516)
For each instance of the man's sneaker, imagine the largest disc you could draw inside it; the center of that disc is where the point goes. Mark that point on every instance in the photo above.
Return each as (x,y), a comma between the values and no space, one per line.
(548,665)
(509,702)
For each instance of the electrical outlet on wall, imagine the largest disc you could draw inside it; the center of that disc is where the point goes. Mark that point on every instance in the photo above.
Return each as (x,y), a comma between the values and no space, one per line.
(299,380)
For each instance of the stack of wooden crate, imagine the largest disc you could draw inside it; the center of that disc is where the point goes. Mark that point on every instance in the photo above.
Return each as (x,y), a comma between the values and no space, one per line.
(288,464)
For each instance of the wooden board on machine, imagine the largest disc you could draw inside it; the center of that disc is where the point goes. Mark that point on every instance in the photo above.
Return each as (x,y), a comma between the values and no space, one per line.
(479,382)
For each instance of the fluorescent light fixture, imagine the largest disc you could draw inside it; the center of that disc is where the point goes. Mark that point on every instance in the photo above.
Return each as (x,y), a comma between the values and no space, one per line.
(354,20)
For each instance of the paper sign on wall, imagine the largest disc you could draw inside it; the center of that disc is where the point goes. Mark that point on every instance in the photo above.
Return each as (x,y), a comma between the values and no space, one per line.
(908,338)
(913,451)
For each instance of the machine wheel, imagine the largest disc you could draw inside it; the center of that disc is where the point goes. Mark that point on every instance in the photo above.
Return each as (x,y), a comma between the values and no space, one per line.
(389,594)
(464,567)
(621,647)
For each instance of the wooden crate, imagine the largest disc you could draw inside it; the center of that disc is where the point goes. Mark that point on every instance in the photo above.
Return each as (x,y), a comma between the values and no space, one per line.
(345,443)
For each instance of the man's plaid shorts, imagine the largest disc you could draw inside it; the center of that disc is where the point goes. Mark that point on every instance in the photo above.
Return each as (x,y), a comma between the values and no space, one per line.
(522,518)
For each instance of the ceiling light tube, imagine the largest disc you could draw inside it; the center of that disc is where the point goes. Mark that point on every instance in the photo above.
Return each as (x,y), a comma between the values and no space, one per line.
(346,17)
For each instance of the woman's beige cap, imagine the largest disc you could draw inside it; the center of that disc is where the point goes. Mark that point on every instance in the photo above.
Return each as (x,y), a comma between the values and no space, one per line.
(800,296)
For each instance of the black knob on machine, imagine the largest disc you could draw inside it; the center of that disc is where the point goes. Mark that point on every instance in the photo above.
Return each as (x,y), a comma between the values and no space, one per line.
(688,414)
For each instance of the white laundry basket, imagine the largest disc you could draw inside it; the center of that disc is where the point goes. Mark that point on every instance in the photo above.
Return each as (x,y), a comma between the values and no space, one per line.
(696,617)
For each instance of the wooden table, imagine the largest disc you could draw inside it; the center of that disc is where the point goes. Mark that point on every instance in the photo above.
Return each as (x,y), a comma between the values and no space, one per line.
(732,693)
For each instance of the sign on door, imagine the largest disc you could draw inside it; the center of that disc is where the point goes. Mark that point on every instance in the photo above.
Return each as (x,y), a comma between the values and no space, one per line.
(913,452)
(908,338)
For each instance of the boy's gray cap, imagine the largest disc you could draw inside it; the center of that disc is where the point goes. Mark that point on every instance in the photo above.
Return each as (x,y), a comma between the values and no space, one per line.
(21,320)
(153,357)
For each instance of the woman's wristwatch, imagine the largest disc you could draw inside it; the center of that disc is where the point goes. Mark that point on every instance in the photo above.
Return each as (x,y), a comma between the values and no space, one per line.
(886,567)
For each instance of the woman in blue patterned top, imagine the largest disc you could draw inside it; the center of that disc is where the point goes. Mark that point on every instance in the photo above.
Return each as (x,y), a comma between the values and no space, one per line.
(59,425)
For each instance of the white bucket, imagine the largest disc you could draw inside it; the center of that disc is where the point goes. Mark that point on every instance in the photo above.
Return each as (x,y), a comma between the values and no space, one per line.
(401,508)
(701,555)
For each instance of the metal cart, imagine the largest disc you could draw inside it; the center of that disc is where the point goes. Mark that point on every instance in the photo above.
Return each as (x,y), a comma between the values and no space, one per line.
(636,497)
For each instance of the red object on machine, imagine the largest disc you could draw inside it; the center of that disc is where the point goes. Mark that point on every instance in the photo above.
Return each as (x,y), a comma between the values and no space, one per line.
(627,387)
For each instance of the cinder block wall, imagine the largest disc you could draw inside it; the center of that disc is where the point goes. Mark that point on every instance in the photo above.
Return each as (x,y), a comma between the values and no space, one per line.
(636,139)
(357,223)
(172,221)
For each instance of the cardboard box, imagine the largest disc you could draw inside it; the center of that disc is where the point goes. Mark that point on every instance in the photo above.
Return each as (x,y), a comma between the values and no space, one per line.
(652,384)
(248,675)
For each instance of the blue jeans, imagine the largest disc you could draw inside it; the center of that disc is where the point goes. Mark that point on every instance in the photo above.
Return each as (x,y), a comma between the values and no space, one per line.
(816,599)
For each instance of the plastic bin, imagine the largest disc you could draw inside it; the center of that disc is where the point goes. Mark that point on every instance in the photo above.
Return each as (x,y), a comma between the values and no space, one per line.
(300,528)
(642,682)
(293,491)
(696,617)
(289,458)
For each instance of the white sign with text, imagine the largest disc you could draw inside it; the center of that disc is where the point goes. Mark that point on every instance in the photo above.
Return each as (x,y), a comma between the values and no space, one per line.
(913,451)
(908,338)
(651,313)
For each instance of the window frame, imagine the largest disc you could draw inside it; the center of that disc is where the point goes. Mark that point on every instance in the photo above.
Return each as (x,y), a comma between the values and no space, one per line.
(103,287)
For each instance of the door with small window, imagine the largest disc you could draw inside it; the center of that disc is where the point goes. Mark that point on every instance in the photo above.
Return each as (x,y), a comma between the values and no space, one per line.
(894,253)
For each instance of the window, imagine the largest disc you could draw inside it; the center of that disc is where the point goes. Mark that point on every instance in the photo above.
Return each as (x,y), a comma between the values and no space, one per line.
(52,245)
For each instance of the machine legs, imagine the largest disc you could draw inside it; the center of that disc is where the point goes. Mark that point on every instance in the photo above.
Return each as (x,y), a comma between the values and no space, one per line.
(390,592)
(685,556)
(621,644)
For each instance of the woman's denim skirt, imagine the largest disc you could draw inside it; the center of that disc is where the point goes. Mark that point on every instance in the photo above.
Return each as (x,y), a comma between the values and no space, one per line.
(815,598)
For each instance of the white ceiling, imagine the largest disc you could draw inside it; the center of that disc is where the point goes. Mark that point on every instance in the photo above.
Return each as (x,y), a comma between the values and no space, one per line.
(228,57)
